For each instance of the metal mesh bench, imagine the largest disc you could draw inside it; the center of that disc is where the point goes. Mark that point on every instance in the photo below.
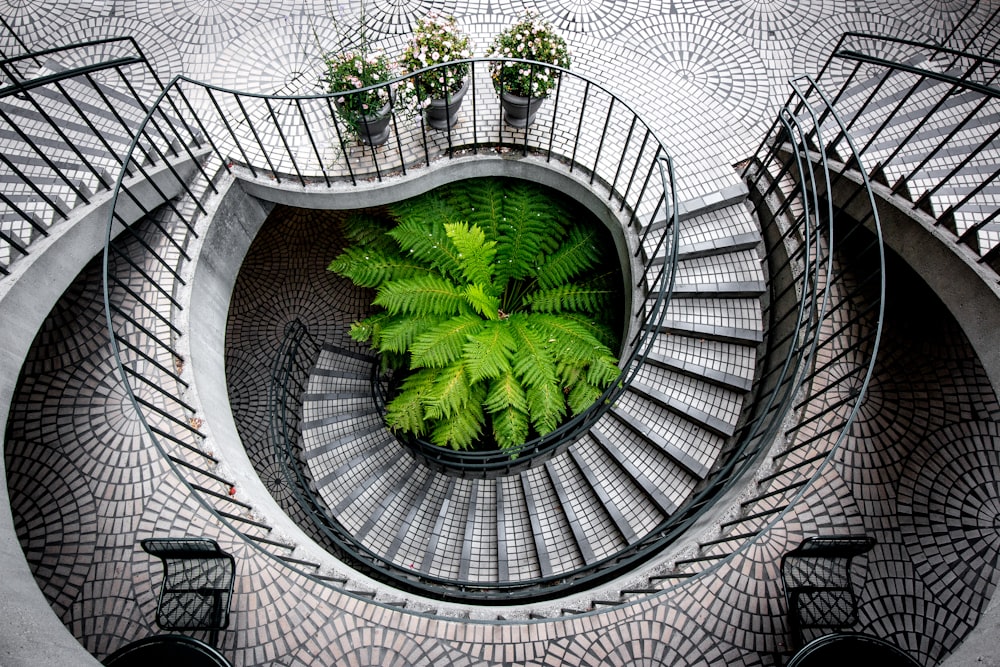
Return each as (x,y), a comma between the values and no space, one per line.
(817,580)
(197,587)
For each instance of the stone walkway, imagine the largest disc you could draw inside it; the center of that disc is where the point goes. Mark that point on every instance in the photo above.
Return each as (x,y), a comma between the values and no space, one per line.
(707,76)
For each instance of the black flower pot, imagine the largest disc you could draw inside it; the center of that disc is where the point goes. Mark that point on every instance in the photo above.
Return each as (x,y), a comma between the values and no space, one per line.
(374,128)
(442,113)
(520,111)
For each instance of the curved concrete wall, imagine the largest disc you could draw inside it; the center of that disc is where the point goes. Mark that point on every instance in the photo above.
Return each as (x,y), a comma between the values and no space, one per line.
(30,632)
(235,220)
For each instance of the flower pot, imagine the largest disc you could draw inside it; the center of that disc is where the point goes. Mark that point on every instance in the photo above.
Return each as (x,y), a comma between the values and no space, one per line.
(520,111)
(374,128)
(442,113)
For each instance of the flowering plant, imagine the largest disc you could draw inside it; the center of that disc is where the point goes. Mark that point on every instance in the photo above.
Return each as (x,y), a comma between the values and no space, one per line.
(437,40)
(531,38)
(349,71)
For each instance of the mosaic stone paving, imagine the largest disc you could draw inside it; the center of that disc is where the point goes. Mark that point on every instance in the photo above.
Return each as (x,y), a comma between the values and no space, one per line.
(84,488)
(708,73)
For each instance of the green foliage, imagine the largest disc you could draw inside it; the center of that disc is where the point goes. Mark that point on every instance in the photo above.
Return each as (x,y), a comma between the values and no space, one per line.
(494,306)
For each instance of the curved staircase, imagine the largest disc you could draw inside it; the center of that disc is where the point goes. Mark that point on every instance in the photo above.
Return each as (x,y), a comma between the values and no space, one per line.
(611,487)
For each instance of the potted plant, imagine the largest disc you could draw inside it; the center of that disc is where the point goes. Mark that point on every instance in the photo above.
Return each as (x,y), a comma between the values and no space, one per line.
(437,41)
(523,87)
(365,112)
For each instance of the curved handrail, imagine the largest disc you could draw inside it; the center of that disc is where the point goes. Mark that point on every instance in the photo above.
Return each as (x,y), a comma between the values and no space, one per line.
(641,200)
(172,424)
(808,313)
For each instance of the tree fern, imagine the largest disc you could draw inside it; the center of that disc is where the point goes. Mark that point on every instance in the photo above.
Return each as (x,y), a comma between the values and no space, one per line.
(491,306)
(572,258)
(421,296)
(398,333)
(428,242)
(572,297)
(443,343)
(368,231)
(372,267)
(474,251)
(488,353)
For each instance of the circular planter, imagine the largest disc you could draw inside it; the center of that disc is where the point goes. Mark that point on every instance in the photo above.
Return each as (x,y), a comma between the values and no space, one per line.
(374,128)
(520,111)
(442,113)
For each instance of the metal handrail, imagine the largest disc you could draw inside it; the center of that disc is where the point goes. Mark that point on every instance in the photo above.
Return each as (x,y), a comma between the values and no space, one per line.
(636,190)
(977,85)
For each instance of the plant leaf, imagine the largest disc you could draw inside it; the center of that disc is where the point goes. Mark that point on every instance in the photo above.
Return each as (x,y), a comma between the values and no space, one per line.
(510,428)
(424,295)
(546,406)
(487,354)
(475,252)
(441,345)
(578,254)
(483,303)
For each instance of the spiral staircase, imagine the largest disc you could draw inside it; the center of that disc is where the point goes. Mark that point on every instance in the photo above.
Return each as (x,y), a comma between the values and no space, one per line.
(717,453)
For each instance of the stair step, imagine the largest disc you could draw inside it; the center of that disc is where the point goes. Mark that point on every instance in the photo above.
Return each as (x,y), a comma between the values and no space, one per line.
(707,420)
(652,490)
(335,419)
(622,496)
(311,450)
(683,460)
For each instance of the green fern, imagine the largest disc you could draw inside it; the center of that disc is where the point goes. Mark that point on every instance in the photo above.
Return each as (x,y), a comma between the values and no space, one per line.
(571,259)
(491,306)
(442,345)
(421,296)
(372,267)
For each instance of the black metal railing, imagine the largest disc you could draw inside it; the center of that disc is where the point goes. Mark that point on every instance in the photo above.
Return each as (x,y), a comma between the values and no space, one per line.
(67,129)
(583,129)
(925,119)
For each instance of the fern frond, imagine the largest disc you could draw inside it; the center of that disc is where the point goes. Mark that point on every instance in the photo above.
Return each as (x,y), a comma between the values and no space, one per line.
(427,241)
(571,297)
(506,390)
(449,394)
(519,246)
(582,396)
(575,256)
(399,332)
(598,330)
(461,430)
(423,295)
(603,371)
(406,411)
(367,267)
(484,199)
(547,407)
(366,230)
(527,204)
(487,354)
(442,344)
(482,302)
(566,339)
(369,329)
(475,252)
(532,361)
(510,428)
